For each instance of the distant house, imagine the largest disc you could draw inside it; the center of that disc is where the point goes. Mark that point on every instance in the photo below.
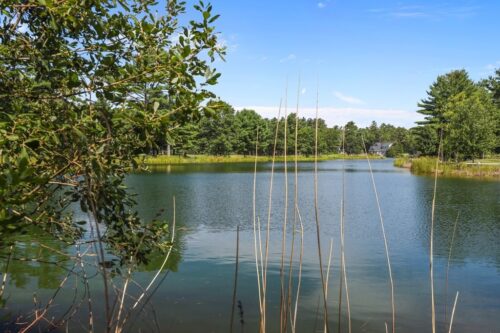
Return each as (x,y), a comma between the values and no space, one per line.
(380,148)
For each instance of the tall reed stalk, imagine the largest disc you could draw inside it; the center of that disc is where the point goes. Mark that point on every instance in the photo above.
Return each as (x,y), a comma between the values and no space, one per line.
(256,234)
(235,286)
(316,214)
(270,199)
(283,310)
(448,269)
(296,217)
(453,313)
(393,306)
(342,251)
(327,276)
(431,241)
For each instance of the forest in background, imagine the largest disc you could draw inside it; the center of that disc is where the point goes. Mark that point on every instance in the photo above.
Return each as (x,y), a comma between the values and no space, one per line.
(460,114)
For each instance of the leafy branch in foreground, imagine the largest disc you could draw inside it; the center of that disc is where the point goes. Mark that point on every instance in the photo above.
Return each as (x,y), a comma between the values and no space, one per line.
(84,87)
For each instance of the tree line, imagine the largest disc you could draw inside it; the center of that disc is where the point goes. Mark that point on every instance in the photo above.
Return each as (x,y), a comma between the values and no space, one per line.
(227,131)
(462,121)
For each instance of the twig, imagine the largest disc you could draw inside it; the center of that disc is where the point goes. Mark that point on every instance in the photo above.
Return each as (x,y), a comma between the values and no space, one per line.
(4,277)
(118,328)
(87,287)
(38,317)
(159,270)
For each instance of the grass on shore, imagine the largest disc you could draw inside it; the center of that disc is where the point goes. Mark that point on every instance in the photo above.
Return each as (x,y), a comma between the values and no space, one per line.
(200,159)
(426,165)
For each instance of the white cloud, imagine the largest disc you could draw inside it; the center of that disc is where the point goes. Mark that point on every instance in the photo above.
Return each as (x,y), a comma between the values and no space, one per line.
(290,57)
(409,14)
(347,99)
(321,5)
(340,116)
(431,11)
(303,91)
(492,67)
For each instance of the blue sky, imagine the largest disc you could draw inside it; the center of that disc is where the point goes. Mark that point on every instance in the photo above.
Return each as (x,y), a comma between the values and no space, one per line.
(372,60)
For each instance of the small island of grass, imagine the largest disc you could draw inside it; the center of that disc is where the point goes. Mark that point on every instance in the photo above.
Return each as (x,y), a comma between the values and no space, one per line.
(489,167)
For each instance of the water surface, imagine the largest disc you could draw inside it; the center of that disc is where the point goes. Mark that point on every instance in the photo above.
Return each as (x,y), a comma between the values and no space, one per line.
(212,200)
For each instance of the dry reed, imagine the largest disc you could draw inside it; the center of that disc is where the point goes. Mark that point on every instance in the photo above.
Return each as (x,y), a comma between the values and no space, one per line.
(448,268)
(235,286)
(316,214)
(453,313)
(393,306)
(283,311)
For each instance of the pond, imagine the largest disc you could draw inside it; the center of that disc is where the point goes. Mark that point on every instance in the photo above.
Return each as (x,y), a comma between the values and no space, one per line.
(213,200)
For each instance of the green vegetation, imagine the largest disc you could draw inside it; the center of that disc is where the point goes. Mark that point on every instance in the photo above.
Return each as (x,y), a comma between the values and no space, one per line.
(427,165)
(84,87)
(199,159)
(461,116)
(88,87)
(459,113)
(462,124)
(228,132)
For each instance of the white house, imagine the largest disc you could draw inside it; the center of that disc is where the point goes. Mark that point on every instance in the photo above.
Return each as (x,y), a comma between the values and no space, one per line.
(380,148)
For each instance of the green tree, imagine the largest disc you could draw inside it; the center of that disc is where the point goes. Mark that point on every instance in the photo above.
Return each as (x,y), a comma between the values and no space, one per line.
(185,138)
(247,123)
(445,87)
(492,85)
(353,140)
(472,126)
(217,132)
(434,106)
(333,139)
(371,135)
(426,138)
(84,87)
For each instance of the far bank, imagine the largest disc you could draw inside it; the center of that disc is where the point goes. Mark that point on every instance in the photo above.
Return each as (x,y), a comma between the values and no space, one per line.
(489,168)
(201,159)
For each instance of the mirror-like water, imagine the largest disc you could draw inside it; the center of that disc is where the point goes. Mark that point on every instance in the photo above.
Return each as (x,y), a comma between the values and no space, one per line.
(211,200)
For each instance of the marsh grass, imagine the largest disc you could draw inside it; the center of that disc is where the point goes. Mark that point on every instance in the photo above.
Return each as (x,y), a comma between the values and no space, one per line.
(206,159)
(427,166)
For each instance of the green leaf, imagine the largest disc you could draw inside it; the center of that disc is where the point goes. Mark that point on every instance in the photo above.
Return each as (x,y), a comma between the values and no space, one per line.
(214,18)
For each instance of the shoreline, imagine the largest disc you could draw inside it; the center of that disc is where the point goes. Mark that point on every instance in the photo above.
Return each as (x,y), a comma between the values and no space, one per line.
(426,166)
(206,159)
